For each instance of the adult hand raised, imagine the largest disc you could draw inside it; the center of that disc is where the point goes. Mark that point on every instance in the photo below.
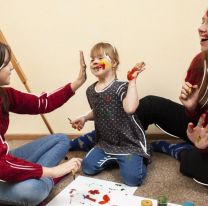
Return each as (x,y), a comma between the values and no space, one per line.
(82,74)
(198,134)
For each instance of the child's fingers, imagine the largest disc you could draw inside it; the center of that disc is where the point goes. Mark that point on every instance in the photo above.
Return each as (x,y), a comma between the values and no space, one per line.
(77,125)
(74,126)
(141,70)
(134,72)
(140,65)
(75,121)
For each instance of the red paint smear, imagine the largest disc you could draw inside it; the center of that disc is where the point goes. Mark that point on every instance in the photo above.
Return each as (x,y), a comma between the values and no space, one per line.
(130,73)
(102,65)
(89,198)
(106,199)
(93,192)
(207,13)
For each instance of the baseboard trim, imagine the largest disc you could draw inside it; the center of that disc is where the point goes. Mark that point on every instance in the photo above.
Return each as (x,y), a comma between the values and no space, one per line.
(32,136)
(152,136)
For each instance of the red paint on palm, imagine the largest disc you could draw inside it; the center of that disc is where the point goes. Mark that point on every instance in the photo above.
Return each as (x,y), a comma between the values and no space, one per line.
(131,72)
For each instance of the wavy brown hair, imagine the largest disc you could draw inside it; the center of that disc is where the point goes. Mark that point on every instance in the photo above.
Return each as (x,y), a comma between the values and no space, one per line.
(4,49)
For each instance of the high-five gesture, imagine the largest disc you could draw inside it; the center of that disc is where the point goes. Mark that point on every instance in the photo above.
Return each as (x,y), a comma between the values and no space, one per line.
(82,74)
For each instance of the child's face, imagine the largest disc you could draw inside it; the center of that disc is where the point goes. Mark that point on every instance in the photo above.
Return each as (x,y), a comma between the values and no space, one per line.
(100,65)
(203,32)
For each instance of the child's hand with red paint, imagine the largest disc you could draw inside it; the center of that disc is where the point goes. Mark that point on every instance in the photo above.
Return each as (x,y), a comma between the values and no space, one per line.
(135,71)
(78,123)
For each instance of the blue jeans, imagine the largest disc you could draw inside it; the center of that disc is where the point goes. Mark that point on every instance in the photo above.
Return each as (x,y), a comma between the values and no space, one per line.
(47,151)
(132,167)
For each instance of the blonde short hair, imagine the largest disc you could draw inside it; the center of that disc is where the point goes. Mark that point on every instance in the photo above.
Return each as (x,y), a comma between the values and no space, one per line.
(105,48)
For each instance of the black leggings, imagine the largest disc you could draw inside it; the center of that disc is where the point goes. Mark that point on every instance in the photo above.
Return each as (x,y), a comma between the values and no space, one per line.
(167,115)
(172,119)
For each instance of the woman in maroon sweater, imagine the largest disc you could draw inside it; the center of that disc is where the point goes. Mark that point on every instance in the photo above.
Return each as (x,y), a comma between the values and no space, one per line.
(28,173)
(190,120)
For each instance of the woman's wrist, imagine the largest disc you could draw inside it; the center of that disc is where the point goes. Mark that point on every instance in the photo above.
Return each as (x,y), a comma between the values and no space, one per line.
(76,84)
(48,172)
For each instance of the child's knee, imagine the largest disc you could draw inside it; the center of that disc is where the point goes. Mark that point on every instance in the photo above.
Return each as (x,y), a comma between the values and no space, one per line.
(89,167)
(133,180)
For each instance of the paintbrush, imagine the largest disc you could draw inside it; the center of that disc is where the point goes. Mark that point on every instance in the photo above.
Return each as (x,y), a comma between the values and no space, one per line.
(69,119)
(73,171)
(74,174)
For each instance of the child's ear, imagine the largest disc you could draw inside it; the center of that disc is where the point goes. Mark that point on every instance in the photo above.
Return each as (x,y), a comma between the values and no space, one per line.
(114,64)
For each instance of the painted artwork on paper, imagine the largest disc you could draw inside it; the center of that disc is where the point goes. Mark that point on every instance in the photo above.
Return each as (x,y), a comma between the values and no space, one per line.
(86,191)
(90,192)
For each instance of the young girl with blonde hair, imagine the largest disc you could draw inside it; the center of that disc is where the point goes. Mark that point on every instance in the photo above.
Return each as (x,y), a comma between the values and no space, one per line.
(120,137)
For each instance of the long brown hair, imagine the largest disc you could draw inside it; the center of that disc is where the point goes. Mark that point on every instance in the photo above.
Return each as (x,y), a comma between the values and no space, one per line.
(4,49)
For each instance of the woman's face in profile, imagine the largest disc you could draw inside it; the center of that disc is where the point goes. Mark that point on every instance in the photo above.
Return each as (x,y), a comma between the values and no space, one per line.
(203,32)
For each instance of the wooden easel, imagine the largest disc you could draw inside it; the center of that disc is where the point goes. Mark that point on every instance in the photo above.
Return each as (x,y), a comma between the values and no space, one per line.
(22,77)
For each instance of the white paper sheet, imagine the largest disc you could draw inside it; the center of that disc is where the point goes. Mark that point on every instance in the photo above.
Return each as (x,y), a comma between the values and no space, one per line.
(86,191)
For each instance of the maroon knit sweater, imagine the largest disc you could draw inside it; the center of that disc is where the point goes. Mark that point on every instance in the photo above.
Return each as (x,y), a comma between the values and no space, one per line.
(194,76)
(14,169)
